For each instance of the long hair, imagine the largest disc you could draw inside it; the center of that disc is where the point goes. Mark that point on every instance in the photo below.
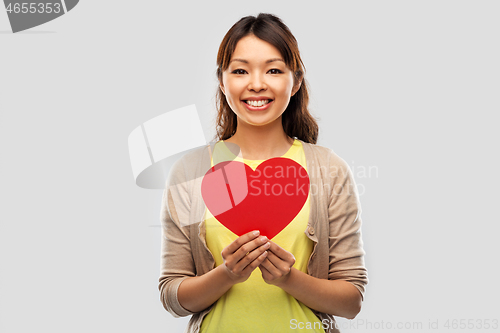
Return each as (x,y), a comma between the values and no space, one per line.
(296,119)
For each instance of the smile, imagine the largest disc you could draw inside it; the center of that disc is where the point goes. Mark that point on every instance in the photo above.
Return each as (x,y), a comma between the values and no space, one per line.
(257,105)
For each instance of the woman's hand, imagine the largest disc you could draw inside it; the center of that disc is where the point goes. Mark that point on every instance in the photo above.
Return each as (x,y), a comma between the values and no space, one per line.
(277,266)
(243,255)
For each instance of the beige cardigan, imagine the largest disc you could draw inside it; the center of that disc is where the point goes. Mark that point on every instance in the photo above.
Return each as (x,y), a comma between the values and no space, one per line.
(334,226)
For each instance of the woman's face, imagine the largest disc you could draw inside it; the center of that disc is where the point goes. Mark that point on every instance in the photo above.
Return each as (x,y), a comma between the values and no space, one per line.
(257,84)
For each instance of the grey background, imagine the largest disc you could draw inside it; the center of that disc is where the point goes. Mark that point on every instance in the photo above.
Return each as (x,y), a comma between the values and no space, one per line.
(408,87)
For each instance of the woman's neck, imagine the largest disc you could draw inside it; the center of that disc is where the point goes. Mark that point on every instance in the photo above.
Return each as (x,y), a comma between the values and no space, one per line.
(261,142)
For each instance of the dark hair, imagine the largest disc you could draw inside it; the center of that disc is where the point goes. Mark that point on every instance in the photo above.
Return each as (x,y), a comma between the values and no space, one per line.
(296,119)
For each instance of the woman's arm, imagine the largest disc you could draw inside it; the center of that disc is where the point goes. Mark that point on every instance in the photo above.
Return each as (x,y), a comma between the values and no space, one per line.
(181,292)
(176,258)
(342,293)
(241,257)
(198,293)
(336,297)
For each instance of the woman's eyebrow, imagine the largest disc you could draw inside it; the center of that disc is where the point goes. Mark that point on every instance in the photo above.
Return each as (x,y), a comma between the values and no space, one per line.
(267,61)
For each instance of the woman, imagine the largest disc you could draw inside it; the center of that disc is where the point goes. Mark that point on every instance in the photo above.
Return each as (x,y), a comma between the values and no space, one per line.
(313,268)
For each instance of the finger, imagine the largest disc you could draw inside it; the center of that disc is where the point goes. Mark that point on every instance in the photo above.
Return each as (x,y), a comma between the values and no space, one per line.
(270,267)
(263,268)
(248,264)
(278,250)
(234,246)
(281,266)
(254,264)
(250,246)
(266,275)
(281,253)
(251,257)
(237,261)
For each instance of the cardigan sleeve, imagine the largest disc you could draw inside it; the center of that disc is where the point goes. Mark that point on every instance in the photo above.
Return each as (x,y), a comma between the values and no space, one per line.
(177,261)
(344,213)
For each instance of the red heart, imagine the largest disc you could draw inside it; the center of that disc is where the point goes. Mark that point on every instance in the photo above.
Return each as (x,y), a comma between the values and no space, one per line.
(266,199)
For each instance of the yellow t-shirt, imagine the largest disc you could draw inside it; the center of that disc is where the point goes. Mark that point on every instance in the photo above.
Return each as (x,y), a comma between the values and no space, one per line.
(255,306)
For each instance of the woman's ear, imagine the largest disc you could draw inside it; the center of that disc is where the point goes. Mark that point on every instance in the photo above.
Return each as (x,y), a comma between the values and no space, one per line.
(220,77)
(296,87)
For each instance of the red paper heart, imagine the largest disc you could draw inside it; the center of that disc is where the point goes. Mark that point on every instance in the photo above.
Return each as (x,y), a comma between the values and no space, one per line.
(266,199)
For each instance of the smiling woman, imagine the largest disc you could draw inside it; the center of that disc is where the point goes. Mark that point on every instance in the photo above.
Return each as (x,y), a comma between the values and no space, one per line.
(257,84)
(262,55)
(304,263)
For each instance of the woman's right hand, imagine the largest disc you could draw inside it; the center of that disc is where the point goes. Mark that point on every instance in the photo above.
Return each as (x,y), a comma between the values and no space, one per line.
(241,257)
(244,255)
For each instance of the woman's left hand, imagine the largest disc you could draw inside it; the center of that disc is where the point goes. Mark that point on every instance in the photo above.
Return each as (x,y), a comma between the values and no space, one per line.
(277,266)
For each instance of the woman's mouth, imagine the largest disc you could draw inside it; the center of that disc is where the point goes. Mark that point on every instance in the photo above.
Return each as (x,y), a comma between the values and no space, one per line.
(257,105)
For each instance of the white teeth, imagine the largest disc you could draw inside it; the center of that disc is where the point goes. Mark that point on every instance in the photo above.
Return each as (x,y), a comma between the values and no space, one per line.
(257,103)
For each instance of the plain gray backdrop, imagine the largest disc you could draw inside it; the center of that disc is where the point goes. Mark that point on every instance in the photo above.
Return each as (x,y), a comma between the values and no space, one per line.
(406,89)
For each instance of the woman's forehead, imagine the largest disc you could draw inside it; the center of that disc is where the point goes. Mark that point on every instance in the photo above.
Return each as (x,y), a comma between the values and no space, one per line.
(253,43)
(251,49)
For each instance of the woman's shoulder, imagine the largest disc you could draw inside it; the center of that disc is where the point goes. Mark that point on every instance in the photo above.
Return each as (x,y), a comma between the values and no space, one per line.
(315,148)
(323,155)
(190,164)
(197,154)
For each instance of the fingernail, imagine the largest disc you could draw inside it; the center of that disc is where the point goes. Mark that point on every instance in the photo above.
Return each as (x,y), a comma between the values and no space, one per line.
(263,238)
(256,232)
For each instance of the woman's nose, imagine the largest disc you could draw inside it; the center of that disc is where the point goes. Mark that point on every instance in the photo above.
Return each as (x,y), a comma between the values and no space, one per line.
(257,83)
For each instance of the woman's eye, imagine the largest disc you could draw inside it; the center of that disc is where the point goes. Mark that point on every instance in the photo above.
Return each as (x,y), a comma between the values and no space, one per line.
(275,71)
(238,71)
